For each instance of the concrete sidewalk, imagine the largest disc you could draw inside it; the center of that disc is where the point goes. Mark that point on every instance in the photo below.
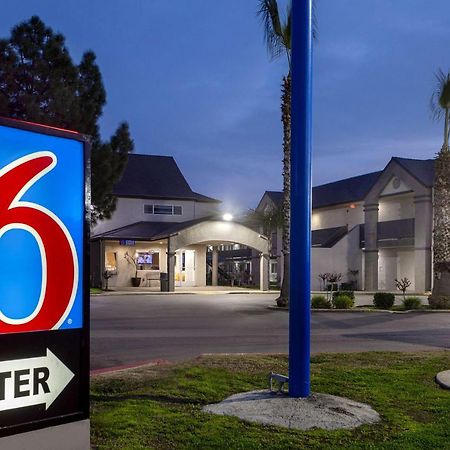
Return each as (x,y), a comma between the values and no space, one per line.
(362,298)
(204,290)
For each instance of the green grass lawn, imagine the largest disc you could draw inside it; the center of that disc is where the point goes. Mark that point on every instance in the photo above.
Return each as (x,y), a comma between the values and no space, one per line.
(160,407)
(95,291)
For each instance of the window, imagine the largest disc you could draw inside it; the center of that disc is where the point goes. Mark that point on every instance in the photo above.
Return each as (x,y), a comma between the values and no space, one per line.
(273,277)
(111,261)
(166,210)
(163,209)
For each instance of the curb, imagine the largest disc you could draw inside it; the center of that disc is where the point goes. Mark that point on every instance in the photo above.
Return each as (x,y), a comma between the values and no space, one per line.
(116,293)
(108,370)
(368,310)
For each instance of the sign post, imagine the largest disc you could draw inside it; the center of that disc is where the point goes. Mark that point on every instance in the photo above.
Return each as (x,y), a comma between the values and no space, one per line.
(44,286)
(300,251)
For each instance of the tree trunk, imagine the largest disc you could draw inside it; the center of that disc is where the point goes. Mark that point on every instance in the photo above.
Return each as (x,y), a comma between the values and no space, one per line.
(441,225)
(283,299)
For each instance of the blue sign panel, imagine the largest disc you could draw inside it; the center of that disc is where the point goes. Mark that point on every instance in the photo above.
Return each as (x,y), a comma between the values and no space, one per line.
(127,242)
(42,213)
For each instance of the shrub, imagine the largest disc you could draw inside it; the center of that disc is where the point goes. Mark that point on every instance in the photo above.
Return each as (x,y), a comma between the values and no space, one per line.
(383,300)
(439,301)
(343,302)
(320,302)
(412,303)
(350,294)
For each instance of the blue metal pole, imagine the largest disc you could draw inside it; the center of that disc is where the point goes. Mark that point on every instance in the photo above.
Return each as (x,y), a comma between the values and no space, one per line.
(300,251)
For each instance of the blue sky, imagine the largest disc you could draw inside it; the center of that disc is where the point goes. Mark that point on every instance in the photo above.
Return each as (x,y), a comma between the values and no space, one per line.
(194,81)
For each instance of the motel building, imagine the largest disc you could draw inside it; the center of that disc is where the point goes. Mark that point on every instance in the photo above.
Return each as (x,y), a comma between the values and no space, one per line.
(371,228)
(171,233)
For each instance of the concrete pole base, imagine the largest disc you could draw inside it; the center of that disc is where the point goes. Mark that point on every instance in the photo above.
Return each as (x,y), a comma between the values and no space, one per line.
(317,411)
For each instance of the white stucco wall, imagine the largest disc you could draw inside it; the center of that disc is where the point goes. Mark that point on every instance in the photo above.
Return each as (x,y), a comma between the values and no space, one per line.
(405,266)
(218,231)
(395,263)
(395,186)
(344,256)
(131,210)
(125,270)
(337,216)
(387,269)
(396,207)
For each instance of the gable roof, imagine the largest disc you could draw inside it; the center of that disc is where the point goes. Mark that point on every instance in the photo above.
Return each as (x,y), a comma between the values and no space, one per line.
(276,197)
(355,189)
(421,169)
(343,191)
(149,176)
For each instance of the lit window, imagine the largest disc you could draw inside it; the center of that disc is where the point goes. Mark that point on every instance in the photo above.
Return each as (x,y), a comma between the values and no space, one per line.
(111,261)
(163,209)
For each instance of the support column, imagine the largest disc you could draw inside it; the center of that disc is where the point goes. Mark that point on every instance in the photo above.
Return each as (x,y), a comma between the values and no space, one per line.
(215,266)
(371,247)
(264,272)
(423,231)
(171,266)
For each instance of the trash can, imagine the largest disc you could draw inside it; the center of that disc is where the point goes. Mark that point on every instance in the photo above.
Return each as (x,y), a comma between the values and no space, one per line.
(164,281)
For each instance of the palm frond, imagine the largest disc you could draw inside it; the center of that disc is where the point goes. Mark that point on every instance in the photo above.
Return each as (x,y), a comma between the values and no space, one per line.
(287,35)
(273,29)
(440,99)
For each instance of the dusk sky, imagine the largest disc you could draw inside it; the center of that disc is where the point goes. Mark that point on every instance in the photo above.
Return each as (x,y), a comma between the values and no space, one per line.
(194,81)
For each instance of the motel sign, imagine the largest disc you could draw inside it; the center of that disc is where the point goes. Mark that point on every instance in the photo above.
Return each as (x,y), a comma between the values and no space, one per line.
(44,229)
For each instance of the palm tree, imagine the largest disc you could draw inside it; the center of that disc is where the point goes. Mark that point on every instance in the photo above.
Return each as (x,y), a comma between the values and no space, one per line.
(267,222)
(440,107)
(277,35)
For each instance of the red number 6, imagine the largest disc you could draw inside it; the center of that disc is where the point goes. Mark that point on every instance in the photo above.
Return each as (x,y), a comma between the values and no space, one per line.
(58,254)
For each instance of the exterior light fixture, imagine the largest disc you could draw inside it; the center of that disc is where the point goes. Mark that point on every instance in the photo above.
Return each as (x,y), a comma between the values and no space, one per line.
(228,217)
(352,206)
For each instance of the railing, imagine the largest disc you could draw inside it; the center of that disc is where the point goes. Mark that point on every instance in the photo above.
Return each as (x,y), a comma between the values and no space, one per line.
(393,233)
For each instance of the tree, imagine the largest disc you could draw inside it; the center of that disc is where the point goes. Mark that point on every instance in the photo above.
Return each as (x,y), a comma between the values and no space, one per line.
(39,82)
(267,222)
(277,36)
(440,107)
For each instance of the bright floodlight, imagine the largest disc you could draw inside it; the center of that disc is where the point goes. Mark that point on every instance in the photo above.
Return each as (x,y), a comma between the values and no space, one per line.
(228,217)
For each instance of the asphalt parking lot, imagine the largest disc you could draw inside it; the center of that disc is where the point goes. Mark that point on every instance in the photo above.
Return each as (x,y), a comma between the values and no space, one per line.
(129,329)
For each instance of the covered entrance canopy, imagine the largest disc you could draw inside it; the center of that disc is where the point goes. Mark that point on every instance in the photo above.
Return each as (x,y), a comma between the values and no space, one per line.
(182,250)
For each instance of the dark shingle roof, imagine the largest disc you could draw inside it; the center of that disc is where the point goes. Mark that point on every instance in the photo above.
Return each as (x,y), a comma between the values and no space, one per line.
(327,237)
(137,231)
(422,170)
(356,188)
(148,230)
(343,191)
(276,197)
(149,176)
